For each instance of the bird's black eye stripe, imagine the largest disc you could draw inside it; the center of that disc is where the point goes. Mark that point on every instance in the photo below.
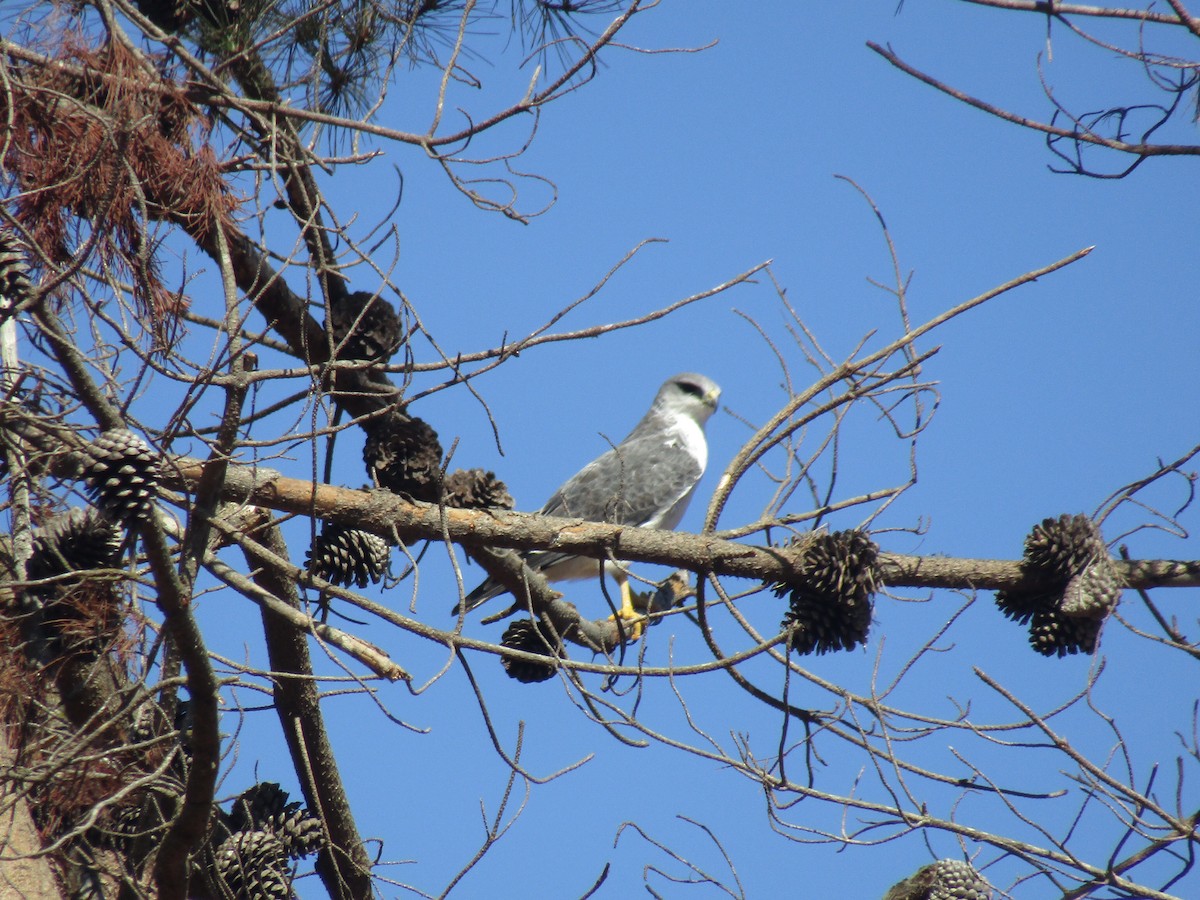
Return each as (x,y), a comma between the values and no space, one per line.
(690,387)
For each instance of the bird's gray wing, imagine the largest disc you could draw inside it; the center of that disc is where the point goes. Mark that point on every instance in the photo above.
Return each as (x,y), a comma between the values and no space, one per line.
(635,483)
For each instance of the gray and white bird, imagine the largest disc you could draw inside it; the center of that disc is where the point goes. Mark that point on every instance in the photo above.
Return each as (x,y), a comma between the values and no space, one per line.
(647,480)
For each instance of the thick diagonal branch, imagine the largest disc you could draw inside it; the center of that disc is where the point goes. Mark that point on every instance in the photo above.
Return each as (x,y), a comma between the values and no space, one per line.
(344,867)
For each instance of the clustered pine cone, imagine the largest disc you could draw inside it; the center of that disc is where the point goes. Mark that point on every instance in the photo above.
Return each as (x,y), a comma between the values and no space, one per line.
(265,807)
(402,454)
(364,326)
(829,604)
(347,556)
(15,285)
(946,879)
(475,489)
(78,540)
(256,840)
(531,637)
(71,613)
(1077,585)
(122,474)
(150,722)
(120,827)
(253,865)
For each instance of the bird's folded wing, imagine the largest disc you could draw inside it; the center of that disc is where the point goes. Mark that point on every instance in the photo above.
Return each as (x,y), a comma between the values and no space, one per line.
(637,483)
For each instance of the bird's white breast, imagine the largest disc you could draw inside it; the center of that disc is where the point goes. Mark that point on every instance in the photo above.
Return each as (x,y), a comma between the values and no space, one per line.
(686,436)
(689,436)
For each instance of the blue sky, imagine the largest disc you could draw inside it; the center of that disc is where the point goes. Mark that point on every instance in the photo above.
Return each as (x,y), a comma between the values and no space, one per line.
(1051,398)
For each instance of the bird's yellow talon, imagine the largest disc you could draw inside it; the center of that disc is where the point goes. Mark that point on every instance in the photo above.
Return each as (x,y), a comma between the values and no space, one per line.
(632,624)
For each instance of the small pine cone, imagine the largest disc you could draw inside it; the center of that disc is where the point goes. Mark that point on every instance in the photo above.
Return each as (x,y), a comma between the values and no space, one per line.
(253,865)
(348,556)
(79,540)
(143,822)
(830,604)
(1021,606)
(823,626)
(946,879)
(1053,634)
(122,473)
(256,807)
(1059,548)
(117,828)
(15,285)
(299,832)
(365,326)
(1094,591)
(148,722)
(475,489)
(531,637)
(402,454)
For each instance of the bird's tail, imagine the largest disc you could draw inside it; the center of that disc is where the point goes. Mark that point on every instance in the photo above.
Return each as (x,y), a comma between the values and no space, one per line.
(482,594)
(538,560)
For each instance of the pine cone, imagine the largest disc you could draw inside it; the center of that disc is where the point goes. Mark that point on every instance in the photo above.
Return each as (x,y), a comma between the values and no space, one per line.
(946,879)
(531,637)
(71,614)
(1058,548)
(475,489)
(299,832)
(1077,585)
(15,286)
(118,827)
(253,865)
(365,326)
(122,473)
(148,722)
(264,807)
(1053,634)
(80,539)
(142,819)
(403,455)
(1094,591)
(256,807)
(830,606)
(348,556)
(1021,606)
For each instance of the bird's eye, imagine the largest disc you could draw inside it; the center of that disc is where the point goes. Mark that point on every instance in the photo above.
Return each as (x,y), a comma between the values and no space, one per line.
(690,387)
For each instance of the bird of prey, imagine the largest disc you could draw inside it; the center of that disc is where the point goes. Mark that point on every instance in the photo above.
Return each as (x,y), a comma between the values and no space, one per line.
(646,480)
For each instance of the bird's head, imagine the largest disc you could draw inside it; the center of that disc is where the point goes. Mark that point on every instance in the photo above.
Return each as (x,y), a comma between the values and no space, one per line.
(691,394)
